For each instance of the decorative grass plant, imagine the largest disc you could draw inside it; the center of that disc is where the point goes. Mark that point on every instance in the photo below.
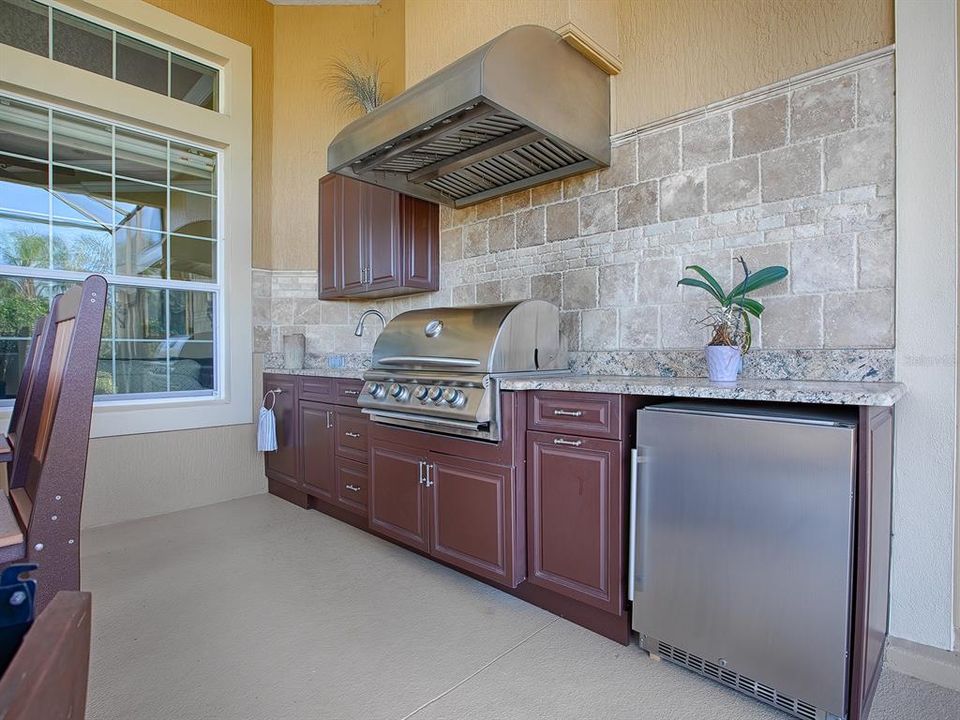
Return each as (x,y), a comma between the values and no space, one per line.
(356,84)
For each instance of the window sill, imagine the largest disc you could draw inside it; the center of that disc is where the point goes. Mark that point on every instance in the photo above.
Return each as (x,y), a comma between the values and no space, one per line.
(114,418)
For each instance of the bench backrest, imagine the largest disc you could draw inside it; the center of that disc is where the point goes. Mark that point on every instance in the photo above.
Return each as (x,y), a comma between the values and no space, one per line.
(55,466)
(26,377)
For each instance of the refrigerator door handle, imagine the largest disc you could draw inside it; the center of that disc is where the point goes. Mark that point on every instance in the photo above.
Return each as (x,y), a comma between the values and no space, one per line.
(632,547)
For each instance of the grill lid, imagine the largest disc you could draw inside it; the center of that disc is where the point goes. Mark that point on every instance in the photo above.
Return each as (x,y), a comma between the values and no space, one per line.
(524,109)
(513,337)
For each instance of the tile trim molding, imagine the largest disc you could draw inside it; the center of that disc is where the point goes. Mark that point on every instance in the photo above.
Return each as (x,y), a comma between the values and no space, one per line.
(750,97)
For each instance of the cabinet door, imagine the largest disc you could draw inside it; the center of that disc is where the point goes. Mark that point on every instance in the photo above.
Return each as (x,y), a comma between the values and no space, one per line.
(329,258)
(381,236)
(317,428)
(575,516)
(282,464)
(420,250)
(476,518)
(350,238)
(397,499)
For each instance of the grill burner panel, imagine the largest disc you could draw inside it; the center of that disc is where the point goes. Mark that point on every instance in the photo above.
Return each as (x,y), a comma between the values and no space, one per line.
(437,369)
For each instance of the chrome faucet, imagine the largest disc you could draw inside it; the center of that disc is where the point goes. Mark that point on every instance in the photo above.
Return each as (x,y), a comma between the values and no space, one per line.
(363,316)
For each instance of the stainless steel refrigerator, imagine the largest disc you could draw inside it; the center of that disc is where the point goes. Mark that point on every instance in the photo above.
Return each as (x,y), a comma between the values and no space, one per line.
(742,529)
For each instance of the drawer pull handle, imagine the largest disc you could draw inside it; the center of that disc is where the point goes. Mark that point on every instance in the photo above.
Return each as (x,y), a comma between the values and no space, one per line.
(351,392)
(561,441)
(352,434)
(353,488)
(568,413)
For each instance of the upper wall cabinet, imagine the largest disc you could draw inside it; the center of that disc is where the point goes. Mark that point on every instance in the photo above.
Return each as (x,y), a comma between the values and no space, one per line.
(375,242)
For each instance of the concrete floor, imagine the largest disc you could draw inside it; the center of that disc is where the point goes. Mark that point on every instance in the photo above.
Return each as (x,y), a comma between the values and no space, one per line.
(255,609)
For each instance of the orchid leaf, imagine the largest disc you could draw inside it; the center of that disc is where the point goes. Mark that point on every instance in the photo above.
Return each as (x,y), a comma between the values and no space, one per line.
(757,280)
(693,282)
(711,281)
(754,307)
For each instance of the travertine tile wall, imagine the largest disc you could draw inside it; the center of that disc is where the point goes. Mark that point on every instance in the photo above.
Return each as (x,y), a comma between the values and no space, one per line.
(801,177)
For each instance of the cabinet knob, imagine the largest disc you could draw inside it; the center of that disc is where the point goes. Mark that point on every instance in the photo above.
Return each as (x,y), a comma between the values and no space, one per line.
(568,413)
(573,443)
(353,393)
(353,488)
(352,434)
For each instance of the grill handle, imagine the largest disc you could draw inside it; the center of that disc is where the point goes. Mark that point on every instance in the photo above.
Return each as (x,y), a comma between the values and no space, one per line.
(428,360)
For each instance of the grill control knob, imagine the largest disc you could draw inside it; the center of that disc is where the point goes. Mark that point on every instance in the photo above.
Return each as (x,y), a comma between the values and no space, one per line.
(420,392)
(399,392)
(454,398)
(377,390)
(434,394)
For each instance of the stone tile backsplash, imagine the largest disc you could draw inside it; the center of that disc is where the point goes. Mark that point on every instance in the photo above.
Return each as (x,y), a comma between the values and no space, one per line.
(803,177)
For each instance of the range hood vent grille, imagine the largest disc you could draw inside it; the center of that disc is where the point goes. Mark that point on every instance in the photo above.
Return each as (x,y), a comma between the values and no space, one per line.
(522,110)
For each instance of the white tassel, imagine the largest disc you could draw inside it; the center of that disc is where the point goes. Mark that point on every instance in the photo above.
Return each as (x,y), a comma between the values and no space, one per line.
(267,424)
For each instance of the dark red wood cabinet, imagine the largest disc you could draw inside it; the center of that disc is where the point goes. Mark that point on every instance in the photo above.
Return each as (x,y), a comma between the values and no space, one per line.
(575,510)
(321,442)
(375,242)
(398,494)
(543,514)
(465,512)
(317,442)
(283,465)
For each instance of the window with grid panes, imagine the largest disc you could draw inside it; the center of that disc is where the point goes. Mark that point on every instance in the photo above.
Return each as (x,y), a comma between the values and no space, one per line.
(81,195)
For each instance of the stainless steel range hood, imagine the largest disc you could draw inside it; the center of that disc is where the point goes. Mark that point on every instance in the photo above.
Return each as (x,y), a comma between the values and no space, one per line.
(524,109)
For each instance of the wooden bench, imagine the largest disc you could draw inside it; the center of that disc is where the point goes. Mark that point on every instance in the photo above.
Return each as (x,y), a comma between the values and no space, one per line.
(16,429)
(50,460)
(47,678)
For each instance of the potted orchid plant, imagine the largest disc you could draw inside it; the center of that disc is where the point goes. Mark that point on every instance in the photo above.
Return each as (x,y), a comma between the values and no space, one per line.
(729,318)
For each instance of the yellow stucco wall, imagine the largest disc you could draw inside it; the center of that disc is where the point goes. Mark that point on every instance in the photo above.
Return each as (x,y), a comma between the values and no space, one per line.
(683,54)
(305,115)
(250,22)
(677,54)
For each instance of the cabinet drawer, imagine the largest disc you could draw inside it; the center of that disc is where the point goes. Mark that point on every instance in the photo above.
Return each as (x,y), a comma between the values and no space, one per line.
(353,437)
(352,485)
(346,390)
(316,388)
(590,414)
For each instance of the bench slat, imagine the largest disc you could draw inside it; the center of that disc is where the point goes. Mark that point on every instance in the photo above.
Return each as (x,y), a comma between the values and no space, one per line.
(10,531)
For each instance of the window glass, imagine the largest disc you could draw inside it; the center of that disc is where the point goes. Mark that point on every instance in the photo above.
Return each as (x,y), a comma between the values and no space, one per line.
(23,185)
(142,157)
(193,214)
(84,143)
(141,64)
(107,203)
(23,129)
(82,44)
(192,259)
(193,169)
(23,24)
(193,82)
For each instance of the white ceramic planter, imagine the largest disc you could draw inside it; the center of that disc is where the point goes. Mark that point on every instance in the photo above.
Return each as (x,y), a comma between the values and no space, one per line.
(723,362)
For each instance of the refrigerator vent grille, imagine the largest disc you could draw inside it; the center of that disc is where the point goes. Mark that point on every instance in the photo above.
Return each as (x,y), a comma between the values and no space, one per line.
(733,679)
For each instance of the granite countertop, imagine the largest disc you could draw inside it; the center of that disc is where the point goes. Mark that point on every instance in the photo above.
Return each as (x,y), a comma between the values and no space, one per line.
(356,373)
(789,391)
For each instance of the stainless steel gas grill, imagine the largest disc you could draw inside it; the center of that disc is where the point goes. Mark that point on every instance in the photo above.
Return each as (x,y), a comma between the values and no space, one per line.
(437,369)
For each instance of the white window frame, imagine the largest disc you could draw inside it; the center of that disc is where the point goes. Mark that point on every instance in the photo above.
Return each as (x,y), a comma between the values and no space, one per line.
(229,131)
